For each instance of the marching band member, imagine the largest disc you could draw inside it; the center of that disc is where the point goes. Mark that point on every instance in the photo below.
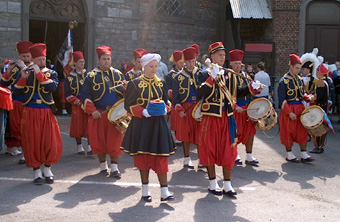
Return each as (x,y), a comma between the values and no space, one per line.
(73,89)
(184,98)
(148,138)
(197,49)
(291,93)
(40,135)
(137,70)
(178,58)
(5,105)
(8,79)
(218,126)
(321,99)
(245,127)
(98,96)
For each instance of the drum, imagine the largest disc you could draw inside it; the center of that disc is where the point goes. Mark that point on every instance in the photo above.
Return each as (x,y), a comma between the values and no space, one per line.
(196,111)
(119,116)
(312,119)
(262,113)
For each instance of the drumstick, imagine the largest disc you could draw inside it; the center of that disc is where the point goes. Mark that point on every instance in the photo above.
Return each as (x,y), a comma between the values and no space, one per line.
(302,114)
(252,109)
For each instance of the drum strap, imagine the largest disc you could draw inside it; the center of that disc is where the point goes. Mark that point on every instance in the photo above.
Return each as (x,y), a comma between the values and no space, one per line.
(278,131)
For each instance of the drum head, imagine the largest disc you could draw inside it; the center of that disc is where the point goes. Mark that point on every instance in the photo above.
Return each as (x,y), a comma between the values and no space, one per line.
(259,108)
(312,117)
(197,112)
(117,111)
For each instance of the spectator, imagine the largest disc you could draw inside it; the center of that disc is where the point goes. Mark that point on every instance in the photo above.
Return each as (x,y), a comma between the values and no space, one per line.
(263,78)
(162,71)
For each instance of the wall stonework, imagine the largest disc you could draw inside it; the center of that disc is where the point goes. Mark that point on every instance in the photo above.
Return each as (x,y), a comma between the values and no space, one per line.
(10,27)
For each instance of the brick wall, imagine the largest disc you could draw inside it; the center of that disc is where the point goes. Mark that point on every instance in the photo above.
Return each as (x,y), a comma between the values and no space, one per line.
(10,27)
(285,31)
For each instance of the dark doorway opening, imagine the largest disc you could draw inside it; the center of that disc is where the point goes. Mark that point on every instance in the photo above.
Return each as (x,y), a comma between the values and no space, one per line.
(53,34)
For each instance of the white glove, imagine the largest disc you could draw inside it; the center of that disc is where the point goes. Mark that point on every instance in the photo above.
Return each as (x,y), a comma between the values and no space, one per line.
(215,70)
(165,111)
(256,85)
(146,113)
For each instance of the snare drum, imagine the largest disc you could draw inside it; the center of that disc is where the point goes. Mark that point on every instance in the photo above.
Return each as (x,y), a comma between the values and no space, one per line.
(262,113)
(312,119)
(118,116)
(196,111)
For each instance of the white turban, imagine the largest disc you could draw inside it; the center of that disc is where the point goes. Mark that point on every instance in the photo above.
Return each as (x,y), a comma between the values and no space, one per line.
(147,58)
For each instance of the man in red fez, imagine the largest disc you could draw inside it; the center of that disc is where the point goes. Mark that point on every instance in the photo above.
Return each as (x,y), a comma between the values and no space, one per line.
(73,88)
(137,70)
(178,58)
(41,139)
(245,129)
(184,99)
(218,126)
(197,48)
(103,87)
(291,94)
(13,138)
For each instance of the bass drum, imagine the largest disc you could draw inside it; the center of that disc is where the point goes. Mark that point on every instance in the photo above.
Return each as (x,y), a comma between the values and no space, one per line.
(119,117)
(262,113)
(312,119)
(196,111)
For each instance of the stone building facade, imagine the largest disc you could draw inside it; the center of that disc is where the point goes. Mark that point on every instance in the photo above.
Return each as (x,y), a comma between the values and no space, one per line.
(124,25)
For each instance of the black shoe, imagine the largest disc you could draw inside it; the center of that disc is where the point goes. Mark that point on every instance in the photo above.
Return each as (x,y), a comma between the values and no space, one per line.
(307,160)
(21,161)
(49,180)
(216,192)
(230,193)
(82,153)
(253,162)
(116,174)
(104,172)
(38,181)
(147,198)
(89,153)
(238,162)
(316,150)
(169,198)
(295,160)
(189,166)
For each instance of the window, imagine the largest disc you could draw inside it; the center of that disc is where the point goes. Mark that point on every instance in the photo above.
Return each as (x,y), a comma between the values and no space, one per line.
(179,11)
(323,13)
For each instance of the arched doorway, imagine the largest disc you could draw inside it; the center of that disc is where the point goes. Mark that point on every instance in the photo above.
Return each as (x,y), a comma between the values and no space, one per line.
(48,23)
(323,29)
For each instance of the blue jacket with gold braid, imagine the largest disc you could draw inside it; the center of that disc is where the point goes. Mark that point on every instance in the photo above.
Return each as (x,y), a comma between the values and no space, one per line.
(185,85)
(74,85)
(241,82)
(11,79)
(37,89)
(132,74)
(97,93)
(170,77)
(214,99)
(291,90)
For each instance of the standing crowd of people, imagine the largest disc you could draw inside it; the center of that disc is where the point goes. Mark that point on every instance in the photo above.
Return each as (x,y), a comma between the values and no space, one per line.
(148,92)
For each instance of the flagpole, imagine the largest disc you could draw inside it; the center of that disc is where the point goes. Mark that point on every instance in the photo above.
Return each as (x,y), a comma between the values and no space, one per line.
(46,26)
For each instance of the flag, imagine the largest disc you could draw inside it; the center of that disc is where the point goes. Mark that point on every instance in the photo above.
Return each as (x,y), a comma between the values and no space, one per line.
(64,55)
(327,121)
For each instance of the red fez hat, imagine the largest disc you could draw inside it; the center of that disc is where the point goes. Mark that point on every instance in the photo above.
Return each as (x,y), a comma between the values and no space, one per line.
(323,70)
(123,63)
(23,47)
(77,55)
(6,61)
(138,53)
(216,46)
(104,49)
(293,59)
(236,55)
(177,56)
(189,53)
(197,47)
(37,50)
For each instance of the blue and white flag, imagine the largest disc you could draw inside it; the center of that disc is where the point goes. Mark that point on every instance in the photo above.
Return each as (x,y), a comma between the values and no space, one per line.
(64,55)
